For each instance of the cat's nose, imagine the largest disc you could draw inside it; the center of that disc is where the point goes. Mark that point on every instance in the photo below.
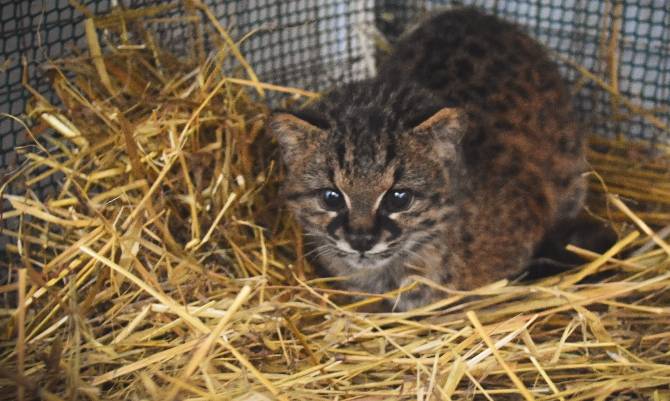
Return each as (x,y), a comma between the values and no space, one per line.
(362,241)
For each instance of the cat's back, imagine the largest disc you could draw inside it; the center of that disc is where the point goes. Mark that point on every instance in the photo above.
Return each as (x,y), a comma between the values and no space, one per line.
(469,57)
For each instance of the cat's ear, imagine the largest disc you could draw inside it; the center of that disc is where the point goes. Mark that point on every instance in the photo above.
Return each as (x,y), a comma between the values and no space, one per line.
(295,136)
(447,124)
(443,132)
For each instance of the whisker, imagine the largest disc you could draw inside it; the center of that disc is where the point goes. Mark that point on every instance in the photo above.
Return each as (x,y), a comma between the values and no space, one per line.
(318,249)
(319,236)
(407,249)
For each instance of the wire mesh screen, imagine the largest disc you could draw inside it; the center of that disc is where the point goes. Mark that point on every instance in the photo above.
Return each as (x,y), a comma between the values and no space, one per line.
(314,44)
(303,43)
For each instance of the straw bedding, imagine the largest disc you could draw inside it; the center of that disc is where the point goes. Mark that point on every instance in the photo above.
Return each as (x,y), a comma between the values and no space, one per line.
(165,268)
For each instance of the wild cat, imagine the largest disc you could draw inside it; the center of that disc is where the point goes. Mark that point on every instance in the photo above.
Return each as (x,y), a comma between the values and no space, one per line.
(452,164)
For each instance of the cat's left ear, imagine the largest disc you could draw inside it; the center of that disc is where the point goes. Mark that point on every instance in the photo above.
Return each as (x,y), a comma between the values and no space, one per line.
(447,124)
(443,131)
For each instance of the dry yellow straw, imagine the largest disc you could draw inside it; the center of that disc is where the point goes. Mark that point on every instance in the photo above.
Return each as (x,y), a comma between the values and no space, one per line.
(472,316)
(202,351)
(21,328)
(96,54)
(164,266)
(641,224)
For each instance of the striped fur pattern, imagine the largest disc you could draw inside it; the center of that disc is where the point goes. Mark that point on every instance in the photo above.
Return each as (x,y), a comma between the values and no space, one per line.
(470,122)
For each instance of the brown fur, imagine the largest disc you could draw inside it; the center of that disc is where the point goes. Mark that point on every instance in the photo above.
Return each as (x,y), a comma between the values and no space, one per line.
(469,115)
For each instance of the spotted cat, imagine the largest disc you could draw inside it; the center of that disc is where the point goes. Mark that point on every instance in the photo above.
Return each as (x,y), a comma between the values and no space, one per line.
(452,164)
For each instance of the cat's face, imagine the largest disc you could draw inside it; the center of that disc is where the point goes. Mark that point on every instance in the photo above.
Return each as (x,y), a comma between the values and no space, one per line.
(368,188)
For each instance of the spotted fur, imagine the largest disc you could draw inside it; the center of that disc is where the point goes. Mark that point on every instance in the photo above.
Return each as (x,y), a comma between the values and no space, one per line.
(472,117)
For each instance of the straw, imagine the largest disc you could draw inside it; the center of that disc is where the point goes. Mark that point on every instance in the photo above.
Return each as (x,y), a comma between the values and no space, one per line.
(164,265)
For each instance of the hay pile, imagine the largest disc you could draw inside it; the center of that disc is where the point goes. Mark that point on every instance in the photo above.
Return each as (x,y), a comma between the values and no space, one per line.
(164,267)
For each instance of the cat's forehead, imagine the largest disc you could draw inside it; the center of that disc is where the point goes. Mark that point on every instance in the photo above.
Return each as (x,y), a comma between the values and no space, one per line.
(367,123)
(371,106)
(358,149)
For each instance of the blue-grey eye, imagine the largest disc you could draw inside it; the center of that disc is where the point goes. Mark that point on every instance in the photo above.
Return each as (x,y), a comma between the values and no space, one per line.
(398,200)
(332,199)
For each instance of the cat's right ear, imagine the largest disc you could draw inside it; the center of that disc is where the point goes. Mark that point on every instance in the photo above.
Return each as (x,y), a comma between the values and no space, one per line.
(295,136)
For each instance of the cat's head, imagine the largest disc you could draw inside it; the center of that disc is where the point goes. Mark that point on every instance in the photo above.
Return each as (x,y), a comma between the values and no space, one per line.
(371,170)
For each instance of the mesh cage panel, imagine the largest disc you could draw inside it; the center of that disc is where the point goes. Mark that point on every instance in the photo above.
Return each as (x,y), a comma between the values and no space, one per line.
(314,44)
(32,32)
(303,43)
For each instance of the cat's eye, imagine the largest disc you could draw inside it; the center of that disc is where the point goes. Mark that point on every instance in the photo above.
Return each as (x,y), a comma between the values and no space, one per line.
(398,200)
(332,199)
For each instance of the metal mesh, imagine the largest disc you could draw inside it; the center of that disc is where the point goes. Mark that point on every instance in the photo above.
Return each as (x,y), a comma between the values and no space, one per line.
(303,43)
(314,44)
(31,32)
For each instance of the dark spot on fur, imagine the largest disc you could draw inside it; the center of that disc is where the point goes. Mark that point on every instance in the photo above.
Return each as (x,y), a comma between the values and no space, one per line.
(503,125)
(518,89)
(384,223)
(547,84)
(427,223)
(498,67)
(528,75)
(481,91)
(445,275)
(499,105)
(547,79)
(563,181)
(477,137)
(464,69)
(514,59)
(496,43)
(375,120)
(495,148)
(511,170)
(467,237)
(464,95)
(510,100)
(340,150)
(539,199)
(390,150)
(436,79)
(335,224)
(475,50)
